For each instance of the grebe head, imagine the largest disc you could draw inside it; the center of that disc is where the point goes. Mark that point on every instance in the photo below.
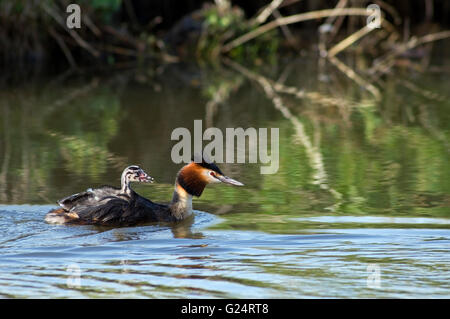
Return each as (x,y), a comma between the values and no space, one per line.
(195,176)
(134,173)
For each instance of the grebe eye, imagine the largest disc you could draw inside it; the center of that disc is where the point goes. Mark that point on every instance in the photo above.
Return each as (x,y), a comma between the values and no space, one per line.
(212,174)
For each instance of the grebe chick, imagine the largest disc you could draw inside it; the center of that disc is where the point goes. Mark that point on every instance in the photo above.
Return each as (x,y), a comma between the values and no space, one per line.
(95,197)
(190,181)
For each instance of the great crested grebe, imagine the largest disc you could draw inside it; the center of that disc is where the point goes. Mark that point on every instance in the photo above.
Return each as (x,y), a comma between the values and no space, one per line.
(134,209)
(95,197)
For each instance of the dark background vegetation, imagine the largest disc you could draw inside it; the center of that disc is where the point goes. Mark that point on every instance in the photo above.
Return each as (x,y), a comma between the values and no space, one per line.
(31,32)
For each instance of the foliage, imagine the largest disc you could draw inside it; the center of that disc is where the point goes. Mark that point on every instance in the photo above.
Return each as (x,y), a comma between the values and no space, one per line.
(222,25)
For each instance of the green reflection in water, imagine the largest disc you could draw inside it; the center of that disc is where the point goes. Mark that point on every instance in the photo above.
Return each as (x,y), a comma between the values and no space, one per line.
(387,157)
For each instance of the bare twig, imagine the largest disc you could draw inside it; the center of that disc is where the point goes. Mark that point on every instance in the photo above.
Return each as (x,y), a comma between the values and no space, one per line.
(267,11)
(424,92)
(122,37)
(412,43)
(428,38)
(341,4)
(349,41)
(95,30)
(72,33)
(339,20)
(355,77)
(292,19)
(315,97)
(287,32)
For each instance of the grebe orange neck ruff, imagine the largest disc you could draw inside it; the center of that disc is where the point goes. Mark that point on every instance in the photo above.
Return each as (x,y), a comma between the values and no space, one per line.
(191,181)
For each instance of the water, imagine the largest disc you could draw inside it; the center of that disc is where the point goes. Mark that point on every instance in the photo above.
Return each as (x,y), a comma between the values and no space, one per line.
(360,206)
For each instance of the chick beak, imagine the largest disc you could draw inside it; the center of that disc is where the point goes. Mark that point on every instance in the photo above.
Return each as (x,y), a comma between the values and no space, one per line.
(145,178)
(228,180)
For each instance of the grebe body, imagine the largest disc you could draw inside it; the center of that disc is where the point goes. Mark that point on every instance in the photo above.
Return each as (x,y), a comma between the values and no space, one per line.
(131,209)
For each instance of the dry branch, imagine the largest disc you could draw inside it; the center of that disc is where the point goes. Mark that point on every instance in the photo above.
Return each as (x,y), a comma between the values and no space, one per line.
(267,11)
(355,77)
(384,63)
(292,19)
(349,41)
(72,33)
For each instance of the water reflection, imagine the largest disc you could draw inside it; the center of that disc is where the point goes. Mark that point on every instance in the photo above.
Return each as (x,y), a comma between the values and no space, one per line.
(362,179)
(340,150)
(182,229)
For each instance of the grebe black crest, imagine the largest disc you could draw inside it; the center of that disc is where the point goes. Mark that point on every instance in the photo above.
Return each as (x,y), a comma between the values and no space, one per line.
(131,209)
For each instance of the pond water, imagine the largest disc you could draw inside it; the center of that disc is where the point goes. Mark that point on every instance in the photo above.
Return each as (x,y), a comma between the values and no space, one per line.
(360,205)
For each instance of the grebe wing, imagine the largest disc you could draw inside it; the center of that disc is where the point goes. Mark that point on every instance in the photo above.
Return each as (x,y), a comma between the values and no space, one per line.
(124,212)
(107,213)
(90,197)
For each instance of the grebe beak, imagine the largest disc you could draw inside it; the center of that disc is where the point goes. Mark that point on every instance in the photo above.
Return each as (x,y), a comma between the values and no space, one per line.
(144,177)
(228,180)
